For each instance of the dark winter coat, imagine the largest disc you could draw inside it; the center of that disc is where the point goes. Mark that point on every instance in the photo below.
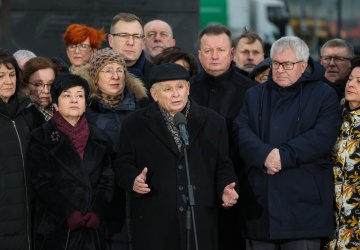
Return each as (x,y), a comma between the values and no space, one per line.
(159,216)
(16,205)
(63,182)
(109,120)
(223,94)
(302,121)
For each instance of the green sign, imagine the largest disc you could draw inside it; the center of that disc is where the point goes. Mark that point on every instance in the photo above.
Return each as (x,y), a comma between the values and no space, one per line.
(213,11)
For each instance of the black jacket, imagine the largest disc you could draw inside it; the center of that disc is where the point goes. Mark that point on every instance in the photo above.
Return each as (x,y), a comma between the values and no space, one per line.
(159,217)
(223,94)
(63,182)
(16,205)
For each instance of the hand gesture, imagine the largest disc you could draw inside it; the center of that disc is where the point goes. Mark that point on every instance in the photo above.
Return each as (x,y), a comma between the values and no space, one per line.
(140,185)
(229,196)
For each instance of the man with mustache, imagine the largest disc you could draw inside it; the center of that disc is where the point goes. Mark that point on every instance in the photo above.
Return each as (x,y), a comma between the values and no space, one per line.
(158,36)
(249,51)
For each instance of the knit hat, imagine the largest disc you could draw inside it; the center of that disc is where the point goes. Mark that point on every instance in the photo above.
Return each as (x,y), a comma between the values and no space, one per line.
(102,57)
(168,71)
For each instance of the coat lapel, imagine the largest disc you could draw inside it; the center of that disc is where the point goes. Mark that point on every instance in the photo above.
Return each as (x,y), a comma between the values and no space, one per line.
(155,122)
(195,123)
(65,155)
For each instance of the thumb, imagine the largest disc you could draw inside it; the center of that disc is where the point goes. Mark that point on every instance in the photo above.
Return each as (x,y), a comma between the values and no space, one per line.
(143,174)
(231,186)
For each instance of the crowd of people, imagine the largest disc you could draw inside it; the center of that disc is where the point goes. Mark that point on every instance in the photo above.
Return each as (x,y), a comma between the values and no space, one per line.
(93,157)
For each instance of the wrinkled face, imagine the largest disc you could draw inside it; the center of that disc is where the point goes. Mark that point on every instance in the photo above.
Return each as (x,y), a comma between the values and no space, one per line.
(158,36)
(171,95)
(287,77)
(215,53)
(39,86)
(336,69)
(82,53)
(7,82)
(131,48)
(112,79)
(248,55)
(352,89)
(71,104)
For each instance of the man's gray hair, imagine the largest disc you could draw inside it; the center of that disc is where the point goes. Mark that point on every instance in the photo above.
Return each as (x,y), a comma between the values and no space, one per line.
(23,53)
(299,47)
(341,43)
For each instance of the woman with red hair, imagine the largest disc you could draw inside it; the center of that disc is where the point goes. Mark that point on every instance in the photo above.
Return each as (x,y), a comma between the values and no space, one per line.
(82,41)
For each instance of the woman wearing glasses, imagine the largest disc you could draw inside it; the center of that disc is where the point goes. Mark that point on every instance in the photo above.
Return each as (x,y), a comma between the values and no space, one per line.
(38,75)
(82,41)
(115,94)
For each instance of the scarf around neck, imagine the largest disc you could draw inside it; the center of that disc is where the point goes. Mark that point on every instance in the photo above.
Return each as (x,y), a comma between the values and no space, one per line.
(78,135)
(169,120)
(111,101)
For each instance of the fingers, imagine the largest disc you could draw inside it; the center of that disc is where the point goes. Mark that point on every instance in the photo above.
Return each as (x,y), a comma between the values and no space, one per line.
(143,174)
(139,183)
(230,196)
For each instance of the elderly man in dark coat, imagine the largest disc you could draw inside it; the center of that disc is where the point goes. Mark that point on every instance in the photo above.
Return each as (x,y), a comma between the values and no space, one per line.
(285,132)
(151,165)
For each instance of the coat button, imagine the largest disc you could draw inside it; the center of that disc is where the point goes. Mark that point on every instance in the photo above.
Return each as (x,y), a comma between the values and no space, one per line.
(181,209)
(214,90)
(180,166)
(180,188)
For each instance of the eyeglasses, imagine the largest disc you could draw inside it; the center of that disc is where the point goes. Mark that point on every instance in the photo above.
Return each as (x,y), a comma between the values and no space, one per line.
(110,72)
(285,65)
(124,37)
(337,59)
(40,85)
(82,47)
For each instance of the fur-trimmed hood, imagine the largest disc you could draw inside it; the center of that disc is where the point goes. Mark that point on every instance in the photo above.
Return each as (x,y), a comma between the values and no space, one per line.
(132,83)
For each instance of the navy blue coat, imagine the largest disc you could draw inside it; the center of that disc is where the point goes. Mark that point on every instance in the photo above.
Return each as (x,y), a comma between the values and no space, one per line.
(302,121)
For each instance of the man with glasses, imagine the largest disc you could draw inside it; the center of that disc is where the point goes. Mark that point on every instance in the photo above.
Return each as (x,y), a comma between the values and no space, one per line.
(284,132)
(336,55)
(158,36)
(127,38)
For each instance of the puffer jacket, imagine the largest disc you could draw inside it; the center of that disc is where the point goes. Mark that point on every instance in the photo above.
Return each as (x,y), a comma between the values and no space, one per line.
(16,199)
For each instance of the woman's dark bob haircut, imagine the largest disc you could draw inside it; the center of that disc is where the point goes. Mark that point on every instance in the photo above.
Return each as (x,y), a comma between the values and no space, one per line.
(65,81)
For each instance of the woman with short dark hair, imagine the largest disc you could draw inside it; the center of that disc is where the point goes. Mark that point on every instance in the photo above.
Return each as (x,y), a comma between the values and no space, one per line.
(70,171)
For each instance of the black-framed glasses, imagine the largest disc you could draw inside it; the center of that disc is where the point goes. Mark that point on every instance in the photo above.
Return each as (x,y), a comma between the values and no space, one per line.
(82,47)
(337,59)
(285,65)
(40,85)
(110,72)
(124,37)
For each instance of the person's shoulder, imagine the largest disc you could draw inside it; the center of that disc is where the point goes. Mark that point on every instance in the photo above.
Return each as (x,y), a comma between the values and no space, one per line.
(207,112)
(242,80)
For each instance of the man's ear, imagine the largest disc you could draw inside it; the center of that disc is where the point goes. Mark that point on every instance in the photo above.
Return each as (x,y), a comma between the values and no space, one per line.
(153,94)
